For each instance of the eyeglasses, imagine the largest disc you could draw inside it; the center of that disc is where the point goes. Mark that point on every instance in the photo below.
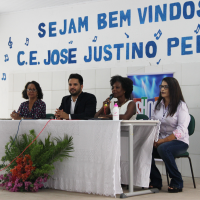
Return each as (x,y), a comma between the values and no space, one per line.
(163,86)
(31,90)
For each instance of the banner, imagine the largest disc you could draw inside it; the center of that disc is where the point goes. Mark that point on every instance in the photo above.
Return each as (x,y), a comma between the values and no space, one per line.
(146,91)
(93,34)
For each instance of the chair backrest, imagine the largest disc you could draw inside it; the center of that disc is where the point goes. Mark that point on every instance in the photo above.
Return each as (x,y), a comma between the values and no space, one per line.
(191,126)
(141,116)
(50,116)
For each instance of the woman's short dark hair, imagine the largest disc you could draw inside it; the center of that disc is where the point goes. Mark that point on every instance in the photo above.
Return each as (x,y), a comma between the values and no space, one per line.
(38,88)
(175,94)
(127,84)
(77,76)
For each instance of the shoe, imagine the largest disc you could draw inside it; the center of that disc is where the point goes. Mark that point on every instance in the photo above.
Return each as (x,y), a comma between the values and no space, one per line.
(174,189)
(152,187)
(127,186)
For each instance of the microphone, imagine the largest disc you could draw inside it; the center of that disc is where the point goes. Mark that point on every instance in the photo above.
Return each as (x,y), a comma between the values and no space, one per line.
(111,96)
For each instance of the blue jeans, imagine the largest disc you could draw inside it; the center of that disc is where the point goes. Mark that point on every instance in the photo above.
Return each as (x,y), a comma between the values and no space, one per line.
(167,152)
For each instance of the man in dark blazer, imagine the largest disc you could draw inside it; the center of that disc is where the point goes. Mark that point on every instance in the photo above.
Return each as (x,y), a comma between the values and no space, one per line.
(78,105)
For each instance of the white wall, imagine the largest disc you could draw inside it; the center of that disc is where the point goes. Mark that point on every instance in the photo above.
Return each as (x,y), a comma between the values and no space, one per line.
(53,78)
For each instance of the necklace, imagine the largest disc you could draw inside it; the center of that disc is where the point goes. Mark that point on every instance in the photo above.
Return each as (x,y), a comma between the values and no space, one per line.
(124,102)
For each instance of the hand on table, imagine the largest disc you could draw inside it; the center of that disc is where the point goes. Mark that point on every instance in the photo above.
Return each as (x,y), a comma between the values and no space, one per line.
(60,114)
(15,115)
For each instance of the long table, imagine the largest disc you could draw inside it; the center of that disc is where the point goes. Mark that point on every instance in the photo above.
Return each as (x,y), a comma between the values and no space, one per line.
(95,163)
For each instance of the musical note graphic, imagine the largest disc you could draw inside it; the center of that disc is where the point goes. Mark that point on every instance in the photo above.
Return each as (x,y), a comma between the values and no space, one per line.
(127,35)
(10,43)
(95,39)
(27,42)
(4,77)
(71,42)
(158,62)
(6,58)
(158,34)
(197,30)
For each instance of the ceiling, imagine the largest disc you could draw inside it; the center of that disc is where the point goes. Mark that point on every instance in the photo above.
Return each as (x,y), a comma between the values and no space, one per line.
(19,5)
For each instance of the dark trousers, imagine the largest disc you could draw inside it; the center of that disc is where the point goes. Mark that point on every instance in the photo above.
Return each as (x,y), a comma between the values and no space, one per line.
(168,151)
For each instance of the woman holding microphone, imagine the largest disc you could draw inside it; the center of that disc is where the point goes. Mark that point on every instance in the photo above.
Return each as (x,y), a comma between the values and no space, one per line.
(121,89)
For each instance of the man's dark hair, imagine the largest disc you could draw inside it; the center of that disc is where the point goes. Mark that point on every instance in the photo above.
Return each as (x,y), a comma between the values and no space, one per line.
(175,94)
(127,84)
(38,88)
(77,76)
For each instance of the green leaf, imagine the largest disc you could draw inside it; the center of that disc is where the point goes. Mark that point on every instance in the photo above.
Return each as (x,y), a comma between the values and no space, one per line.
(43,154)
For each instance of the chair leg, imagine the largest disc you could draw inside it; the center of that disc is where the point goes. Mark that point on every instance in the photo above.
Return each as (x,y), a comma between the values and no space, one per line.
(167,177)
(192,172)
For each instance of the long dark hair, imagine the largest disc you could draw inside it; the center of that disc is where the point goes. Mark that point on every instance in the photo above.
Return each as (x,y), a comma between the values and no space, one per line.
(175,94)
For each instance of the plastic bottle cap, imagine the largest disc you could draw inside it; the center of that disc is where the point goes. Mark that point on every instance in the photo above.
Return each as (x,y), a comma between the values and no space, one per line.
(115,105)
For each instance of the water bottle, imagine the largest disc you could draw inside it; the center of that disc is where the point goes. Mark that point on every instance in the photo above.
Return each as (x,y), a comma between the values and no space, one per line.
(115,112)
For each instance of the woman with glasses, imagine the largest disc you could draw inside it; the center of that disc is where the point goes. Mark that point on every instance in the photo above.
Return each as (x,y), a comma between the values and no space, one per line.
(172,112)
(34,108)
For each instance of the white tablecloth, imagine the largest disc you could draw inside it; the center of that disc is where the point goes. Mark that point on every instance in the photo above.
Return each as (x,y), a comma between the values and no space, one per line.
(95,165)
(143,138)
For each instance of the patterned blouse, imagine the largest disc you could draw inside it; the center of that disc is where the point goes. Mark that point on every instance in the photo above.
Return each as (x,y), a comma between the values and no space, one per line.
(38,110)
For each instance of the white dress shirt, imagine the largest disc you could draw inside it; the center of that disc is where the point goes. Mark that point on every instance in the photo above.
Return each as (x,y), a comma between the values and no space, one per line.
(73,104)
(177,124)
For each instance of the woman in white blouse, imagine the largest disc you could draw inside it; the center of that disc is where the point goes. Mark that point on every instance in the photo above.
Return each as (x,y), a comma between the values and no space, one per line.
(172,112)
(122,88)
